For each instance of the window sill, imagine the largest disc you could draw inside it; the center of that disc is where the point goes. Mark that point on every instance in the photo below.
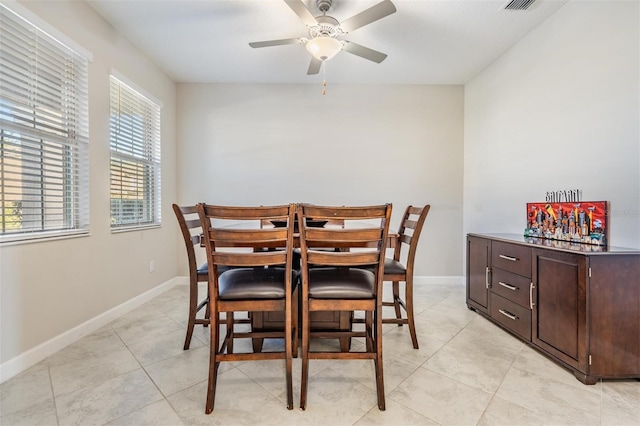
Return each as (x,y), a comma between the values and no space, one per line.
(135,228)
(41,237)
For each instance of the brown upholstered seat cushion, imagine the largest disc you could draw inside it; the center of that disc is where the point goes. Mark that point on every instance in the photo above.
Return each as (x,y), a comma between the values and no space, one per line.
(393,267)
(341,283)
(253,283)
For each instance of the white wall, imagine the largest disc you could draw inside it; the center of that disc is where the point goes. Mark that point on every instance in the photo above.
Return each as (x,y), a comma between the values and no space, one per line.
(560,110)
(270,144)
(47,288)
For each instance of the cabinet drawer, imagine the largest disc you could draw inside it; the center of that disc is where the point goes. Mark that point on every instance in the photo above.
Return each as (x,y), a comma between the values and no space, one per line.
(511,315)
(511,286)
(511,257)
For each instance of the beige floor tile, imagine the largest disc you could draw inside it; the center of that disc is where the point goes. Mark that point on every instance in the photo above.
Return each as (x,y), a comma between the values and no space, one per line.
(395,370)
(152,349)
(333,399)
(531,360)
(397,342)
(239,400)
(110,400)
(27,399)
(81,372)
(158,413)
(450,311)
(474,360)
(27,388)
(621,402)
(505,413)
(441,399)
(562,402)
(90,346)
(38,413)
(155,324)
(394,415)
(182,371)
(270,374)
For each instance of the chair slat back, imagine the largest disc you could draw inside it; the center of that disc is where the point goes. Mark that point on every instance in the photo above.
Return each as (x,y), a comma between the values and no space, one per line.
(230,229)
(370,232)
(409,232)
(190,226)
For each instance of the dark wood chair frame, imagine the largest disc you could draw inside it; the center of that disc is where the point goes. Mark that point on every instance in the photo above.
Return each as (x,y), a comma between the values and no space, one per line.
(189,221)
(217,239)
(413,220)
(342,240)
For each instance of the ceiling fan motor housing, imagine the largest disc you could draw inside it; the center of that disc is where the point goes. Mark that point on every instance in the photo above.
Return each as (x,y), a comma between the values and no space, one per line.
(327,27)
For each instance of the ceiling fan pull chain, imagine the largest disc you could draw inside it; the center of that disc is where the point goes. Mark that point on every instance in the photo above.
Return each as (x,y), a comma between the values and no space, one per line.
(324,77)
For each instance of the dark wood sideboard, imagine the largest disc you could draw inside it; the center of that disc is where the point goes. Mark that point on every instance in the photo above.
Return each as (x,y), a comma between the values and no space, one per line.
(579,304)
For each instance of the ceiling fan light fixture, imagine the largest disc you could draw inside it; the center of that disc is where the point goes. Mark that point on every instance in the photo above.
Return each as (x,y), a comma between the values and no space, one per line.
(323,47)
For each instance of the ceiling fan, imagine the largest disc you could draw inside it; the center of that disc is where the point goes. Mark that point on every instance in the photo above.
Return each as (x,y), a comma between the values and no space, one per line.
(324,32)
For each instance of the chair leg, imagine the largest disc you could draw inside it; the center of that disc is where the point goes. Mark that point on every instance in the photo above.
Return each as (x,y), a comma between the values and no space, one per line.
(369,331)
(305,360)
(396,300)
(410,317)
(230,330)
(207,312)
(378,360)
(295,330)
(213,362)
(256,343)
(193,306)
(288,343)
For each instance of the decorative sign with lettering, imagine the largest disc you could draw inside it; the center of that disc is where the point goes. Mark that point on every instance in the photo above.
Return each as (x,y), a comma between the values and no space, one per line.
(567,196)
(579,222)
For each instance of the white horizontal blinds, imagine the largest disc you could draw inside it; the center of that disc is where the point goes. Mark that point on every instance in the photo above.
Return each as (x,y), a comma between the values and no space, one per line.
(43,133)
(135,158)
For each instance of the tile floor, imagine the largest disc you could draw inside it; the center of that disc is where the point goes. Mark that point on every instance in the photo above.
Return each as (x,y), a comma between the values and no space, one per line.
(467,371)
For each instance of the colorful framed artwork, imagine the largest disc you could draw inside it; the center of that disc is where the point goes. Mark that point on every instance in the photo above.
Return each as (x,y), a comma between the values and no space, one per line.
(581,222)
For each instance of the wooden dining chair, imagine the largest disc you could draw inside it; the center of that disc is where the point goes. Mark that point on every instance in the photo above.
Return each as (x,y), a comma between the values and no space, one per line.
(190,227)
(345,279)
(259,281)
(395,270)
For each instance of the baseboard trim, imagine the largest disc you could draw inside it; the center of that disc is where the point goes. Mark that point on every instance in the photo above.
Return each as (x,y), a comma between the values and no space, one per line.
(34,355)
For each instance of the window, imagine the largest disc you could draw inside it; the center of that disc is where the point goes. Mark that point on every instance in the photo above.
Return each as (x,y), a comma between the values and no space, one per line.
(44,189)
(135,158)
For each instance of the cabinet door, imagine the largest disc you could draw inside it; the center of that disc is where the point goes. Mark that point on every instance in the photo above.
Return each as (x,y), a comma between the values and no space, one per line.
(559,314)
(614,315)
(478,256)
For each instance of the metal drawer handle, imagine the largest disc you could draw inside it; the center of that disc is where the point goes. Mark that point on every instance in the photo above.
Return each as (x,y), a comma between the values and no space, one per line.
(531,304)
(508,315)
(505,257)
(509,286)
(486,277)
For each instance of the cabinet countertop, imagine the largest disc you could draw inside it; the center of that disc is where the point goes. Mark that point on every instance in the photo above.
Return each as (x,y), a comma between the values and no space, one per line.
(565,246)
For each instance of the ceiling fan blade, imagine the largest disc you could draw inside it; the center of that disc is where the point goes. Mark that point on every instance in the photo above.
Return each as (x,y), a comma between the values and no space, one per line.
(363,52)
(303,13)
(275,42)
(314,66)
(368,16)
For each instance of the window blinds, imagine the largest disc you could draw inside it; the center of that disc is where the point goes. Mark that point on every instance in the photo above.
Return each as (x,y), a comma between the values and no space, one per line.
(43,134)
(135,158)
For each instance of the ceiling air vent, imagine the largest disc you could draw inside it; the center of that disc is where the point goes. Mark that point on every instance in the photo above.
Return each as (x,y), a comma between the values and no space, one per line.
(519,4)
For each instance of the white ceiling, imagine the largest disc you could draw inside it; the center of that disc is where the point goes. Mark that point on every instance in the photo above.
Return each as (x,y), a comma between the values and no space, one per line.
(428,41)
